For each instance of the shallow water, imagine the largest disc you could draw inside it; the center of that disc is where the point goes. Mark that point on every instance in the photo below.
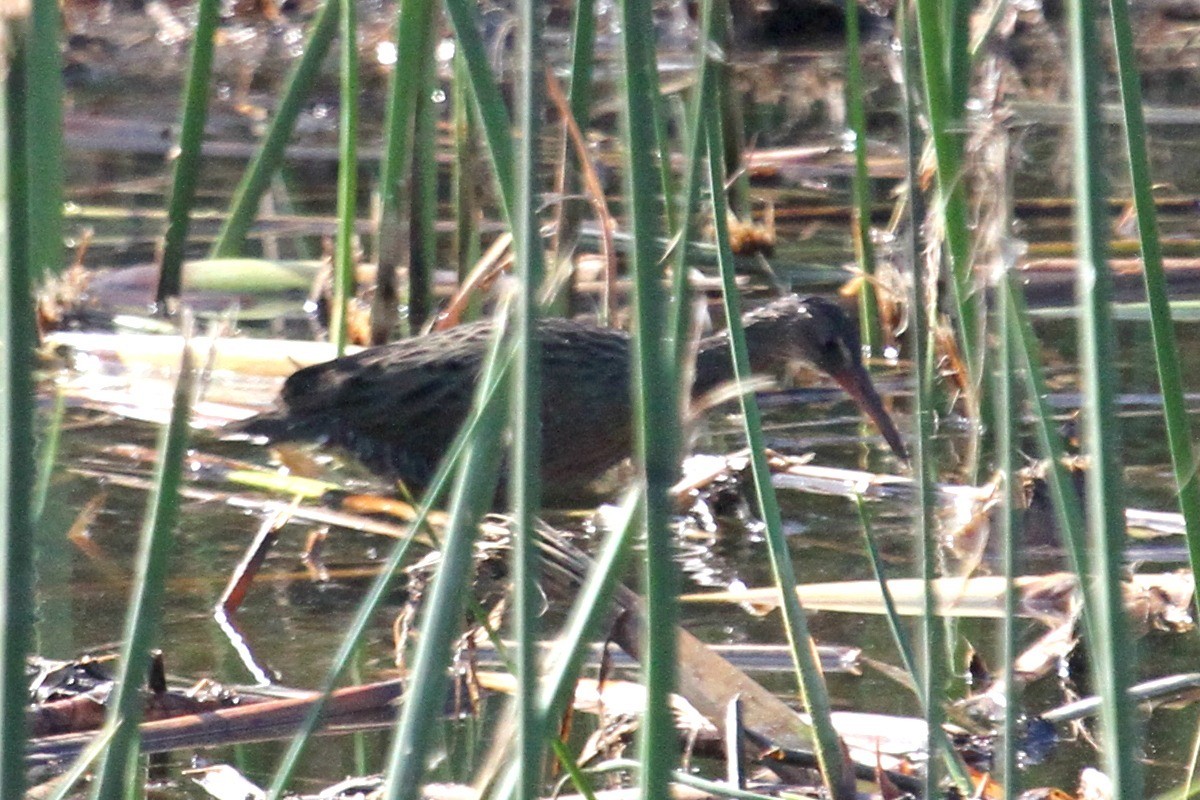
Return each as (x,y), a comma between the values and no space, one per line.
(292,622)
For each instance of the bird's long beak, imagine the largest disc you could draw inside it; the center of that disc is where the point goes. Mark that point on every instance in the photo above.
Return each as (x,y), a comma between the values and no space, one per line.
(857,383)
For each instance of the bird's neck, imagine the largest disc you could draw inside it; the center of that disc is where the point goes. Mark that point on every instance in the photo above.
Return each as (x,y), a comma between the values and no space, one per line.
(714,364)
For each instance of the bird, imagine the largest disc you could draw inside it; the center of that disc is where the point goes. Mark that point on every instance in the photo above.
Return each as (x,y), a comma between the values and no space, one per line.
(398,407)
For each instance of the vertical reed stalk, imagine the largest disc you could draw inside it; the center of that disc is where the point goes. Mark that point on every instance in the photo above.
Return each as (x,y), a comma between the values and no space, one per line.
(733,119)
(267,160)
(813,690)
(1166,348)
(954,763)
(115,774)
(423,200)
(957,16)
(946,126)
(655,408)
(187,164)
(1112,659)
(526,394)
(1007,446)
(16,418)
(592,603)
(474,489)
(666,178)
(464,181)
(579,101)
(47,455)
(493,113)
(347,183)
(53,553)
(1067,508)
(583,60)
(860,232)
(378,591)
(44,134)
(410,77)
(680,324)
(924,517)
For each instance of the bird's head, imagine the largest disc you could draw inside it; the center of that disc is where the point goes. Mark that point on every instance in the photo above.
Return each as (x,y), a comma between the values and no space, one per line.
(817,331)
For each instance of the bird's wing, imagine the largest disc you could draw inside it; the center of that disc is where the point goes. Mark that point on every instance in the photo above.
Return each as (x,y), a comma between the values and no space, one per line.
(425,381)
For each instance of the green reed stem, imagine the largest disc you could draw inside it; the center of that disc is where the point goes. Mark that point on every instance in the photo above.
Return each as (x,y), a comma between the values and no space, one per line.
(1112,655)
(16,417)
(410,79)
(656,411)
(344,259)
(413,35)
(493,113)
(954,764)
(733,116)
(47,455)
(946,134)
(924,516)
(526,394)
(864,248)
(191,142)
(583,60)
(958,49)
(572,769)
(1166,347)
(579,101)
(666,177)
(489,394)
(270,155)
(813,691)
(591,607)
(115,773)
(680,324)
(904,647)
(44,139)
(422,240)
(65,783)
(441,618)
(464,180)
(1065,501)
(1007,446)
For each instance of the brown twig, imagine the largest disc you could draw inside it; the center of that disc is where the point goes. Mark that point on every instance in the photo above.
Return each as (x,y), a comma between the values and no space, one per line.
(497,258)
(591,183)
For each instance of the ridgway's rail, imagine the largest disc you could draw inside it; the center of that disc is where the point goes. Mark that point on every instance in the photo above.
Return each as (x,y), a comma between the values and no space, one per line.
(398,407)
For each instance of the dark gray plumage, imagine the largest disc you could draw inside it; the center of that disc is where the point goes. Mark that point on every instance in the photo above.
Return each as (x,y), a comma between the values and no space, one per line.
(399,406)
